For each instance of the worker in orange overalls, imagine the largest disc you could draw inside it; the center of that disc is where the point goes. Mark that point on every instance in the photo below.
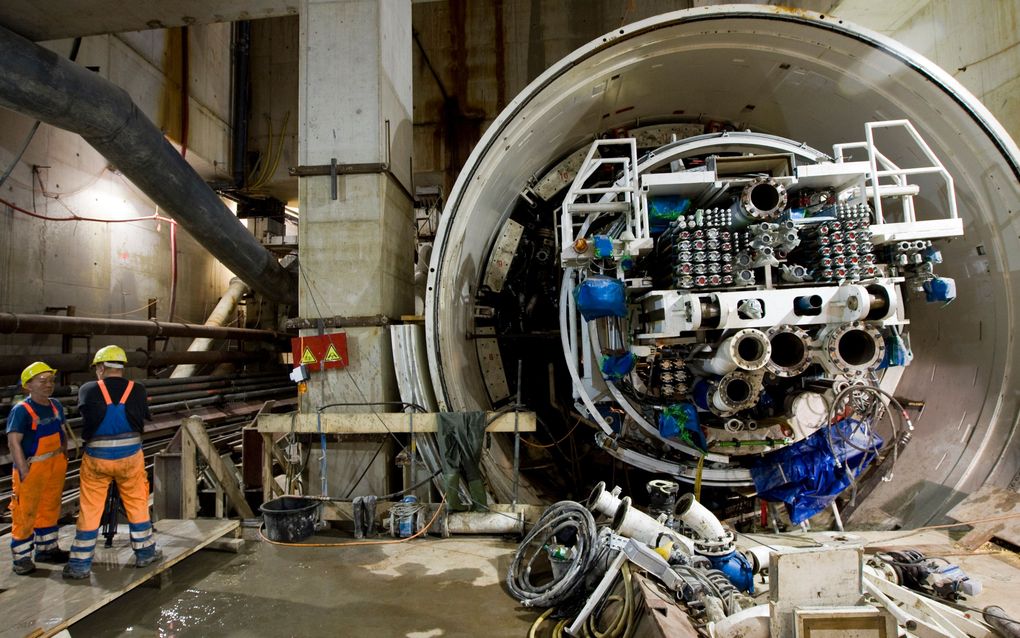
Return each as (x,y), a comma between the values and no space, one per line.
(113,412)
(36,438)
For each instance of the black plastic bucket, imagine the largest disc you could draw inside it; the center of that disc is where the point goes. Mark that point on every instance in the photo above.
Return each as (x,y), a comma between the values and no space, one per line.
(289,518)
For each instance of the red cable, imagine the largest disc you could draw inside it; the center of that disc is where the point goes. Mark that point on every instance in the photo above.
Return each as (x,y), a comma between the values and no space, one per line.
(79,218)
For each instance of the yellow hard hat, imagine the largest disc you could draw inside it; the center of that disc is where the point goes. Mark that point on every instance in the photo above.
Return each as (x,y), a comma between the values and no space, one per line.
(110,354)
(34,370)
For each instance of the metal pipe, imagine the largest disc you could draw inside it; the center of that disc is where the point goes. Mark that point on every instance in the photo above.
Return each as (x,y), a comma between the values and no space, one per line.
(157,386)
(485,523)
(54,324)
(44,85)
(240,99)
(997,617)
(748,349)
(137,359)
(699,518)
(633,523)
(224,398)
(226,306)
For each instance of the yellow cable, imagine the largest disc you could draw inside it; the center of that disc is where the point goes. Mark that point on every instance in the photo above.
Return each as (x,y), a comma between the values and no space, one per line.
(256,171)
(558,629)
(538,621)
(697,478)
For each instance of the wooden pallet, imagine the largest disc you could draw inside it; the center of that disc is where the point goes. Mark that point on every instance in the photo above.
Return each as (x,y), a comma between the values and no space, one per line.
(43,603)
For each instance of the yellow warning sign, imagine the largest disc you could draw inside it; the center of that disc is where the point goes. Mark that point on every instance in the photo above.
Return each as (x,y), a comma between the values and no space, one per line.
(332,355)
(308,357)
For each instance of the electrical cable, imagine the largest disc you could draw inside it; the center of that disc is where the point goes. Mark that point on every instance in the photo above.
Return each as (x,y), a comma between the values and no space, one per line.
(565,437)
(561,520)
(877,407)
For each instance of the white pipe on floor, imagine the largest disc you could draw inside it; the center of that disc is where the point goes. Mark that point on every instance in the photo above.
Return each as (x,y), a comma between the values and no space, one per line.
(222,312)
(485,523)
(697,517)
(603,501)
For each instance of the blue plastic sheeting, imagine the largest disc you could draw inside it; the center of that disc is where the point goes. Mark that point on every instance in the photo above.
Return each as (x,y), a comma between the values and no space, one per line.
(896,352)
(603,246)
(809,474)
(939,289)
(617,366)
(598,297)
(680,421)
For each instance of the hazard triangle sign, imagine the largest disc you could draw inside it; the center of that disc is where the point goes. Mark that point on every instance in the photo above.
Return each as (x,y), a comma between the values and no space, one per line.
(332,355)
(307,357)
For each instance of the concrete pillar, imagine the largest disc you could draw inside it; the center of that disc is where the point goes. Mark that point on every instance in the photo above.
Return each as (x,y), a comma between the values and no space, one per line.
(357,250)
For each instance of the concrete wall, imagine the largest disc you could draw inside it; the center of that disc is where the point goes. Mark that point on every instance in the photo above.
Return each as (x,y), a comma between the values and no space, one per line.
(472,58)
(977,42)
(481,54)
(274,72)
(111,270)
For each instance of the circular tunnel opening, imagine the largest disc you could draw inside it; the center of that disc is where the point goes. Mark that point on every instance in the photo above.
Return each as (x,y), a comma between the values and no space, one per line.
(788,350)
(857,347)
(765,197)
(750,348)
(737,390)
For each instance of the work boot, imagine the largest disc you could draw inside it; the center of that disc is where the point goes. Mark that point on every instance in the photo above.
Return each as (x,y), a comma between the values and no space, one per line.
(23,567)
(479,499)
(76,574)
(53,556)
(359,516)
(148,559)
(369,505)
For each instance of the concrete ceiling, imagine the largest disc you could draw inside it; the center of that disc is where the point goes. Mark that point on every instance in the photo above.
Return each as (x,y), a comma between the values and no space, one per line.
(56,19)
(41,20)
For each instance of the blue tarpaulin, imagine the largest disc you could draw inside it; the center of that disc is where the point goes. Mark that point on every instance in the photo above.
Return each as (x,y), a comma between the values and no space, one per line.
(809,474)
(599,296)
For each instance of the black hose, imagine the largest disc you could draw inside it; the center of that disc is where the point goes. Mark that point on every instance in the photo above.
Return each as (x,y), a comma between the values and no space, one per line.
(562,520)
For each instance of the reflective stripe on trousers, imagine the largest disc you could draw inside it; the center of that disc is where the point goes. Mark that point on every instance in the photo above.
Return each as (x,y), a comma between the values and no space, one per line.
(35,506)
(96,474)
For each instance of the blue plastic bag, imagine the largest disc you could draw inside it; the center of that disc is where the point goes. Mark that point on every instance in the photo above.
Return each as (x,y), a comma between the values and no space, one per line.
(680,421)
(599,296)
(808,475)
(617,366)
(939,289)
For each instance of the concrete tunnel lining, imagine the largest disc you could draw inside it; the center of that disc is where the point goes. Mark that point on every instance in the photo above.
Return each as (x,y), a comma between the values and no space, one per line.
(811,79)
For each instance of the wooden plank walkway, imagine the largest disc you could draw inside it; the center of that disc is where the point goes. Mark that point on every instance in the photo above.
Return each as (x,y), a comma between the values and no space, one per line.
(380,422)
(43,603)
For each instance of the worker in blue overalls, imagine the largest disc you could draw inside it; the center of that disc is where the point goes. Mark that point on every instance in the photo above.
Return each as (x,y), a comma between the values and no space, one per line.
(36,439)
(113,412)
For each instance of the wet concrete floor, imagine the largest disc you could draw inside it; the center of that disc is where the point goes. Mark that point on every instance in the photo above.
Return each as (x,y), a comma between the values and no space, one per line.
(419,589)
